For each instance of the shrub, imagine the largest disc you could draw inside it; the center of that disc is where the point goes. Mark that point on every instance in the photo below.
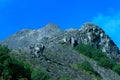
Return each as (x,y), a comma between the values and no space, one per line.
(90,52)
(19,69)
(64,78)
(13,69)
(116,68)
(86,66)
(4,54)
(97,54)
(10,68)
(39,75)
(86,50)
(106,62)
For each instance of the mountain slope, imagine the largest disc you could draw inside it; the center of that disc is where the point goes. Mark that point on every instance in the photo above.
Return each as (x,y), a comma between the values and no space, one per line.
(52,50)
(25,37)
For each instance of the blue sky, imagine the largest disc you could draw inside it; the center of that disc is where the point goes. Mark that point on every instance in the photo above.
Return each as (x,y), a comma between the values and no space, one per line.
(19,14)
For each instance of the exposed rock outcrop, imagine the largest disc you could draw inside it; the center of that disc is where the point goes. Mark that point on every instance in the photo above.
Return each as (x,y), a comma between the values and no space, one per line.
(37,49)
(53,50)
(92,34)
(89,33)
(71,40)
(26,37)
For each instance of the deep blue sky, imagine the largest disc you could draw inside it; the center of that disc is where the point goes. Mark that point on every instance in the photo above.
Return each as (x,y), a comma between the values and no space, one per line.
(19,14)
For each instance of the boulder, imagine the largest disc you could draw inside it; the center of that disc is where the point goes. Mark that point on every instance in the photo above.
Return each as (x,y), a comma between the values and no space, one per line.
(37,49)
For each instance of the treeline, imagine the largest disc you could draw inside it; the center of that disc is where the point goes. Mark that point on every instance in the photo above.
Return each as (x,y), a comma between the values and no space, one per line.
(13,69)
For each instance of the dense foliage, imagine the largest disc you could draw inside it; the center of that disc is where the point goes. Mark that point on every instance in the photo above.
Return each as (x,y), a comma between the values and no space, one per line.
(116,68)
(12,69)
(106,62)
(91,52)
(98,56)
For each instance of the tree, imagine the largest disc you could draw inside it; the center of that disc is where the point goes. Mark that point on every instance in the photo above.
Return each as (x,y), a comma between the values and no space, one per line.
(11,68)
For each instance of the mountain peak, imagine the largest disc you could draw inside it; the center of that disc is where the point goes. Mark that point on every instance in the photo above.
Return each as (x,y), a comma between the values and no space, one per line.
(51,26)
(89,33)
(49,29)
(53,51)
(90,26)
(95,36)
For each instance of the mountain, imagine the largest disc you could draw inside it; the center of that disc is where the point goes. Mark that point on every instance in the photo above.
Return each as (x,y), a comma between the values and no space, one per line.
(95,36)
(25,37)
(53,50)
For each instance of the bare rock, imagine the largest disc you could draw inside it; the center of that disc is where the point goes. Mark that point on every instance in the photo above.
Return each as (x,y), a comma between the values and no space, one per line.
(92,34)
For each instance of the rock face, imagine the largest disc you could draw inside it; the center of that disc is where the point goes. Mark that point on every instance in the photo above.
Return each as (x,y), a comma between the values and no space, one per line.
(95,36)
(52,50)
(26,37)
(37,49)
(89,33)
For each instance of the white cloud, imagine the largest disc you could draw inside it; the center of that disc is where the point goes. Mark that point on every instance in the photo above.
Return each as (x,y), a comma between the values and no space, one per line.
(110,24)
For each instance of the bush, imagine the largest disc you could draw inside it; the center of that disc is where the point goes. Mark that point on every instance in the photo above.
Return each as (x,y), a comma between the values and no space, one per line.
(97,54)
(106,62)
(116,68)
(86,66)
(86,50)
(13,69)
(64,78)
(4,54)
(39,75)
(90,52)
(10,68)
(19,70)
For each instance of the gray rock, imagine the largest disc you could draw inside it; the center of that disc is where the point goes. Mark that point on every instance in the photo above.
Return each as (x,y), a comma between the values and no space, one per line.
(71,40)
(37,49)
(89,33)
(26,37)
(92,34)
(54,53)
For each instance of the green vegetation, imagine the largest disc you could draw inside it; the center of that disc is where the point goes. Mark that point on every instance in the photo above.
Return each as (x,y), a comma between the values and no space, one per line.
(106,62)
(13,69)
(36,75)
(86,66)
(116,68)
(91,52)
(98,56)
(65,78)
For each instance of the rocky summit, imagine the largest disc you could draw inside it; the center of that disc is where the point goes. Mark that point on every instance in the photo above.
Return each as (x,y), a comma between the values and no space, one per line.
(26,37)
(53,50)
(95,36)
